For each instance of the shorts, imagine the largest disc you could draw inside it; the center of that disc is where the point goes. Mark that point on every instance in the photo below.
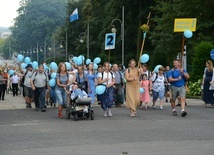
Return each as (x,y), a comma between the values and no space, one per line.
(159,94)
(178,91)
(28,92)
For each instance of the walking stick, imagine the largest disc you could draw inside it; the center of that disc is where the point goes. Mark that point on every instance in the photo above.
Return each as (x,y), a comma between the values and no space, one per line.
(145,28)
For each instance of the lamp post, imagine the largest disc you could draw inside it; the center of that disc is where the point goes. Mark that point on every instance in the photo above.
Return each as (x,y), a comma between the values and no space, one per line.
(66,46)
(114,30)
(28,53)
(81,39)
(35,50)
(53,46)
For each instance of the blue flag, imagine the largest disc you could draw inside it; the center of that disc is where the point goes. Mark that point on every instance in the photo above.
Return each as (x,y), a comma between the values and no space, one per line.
(74,16)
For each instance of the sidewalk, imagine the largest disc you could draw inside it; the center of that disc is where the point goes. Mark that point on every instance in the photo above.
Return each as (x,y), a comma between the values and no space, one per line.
(18,102)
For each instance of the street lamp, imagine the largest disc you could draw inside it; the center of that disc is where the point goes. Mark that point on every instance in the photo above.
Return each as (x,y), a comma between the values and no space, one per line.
(81,36)
(53,47)
(66,46)
(114,30)
(35,51)
(81,39)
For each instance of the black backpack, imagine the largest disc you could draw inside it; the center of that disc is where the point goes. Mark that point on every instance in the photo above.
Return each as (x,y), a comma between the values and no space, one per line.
(23,79)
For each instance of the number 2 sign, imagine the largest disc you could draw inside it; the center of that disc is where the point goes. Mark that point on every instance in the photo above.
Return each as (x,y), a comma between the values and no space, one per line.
(110,41)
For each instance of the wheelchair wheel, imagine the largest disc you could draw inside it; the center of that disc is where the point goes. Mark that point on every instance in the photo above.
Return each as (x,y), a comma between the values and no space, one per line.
(92,115)
(68,113)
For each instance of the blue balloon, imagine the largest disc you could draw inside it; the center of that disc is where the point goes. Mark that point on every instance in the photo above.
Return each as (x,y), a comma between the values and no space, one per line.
(95,66)
(52,82)
(45,67)
(188,33)
(11,72)
(53,66)
(97,60)
(100,89)
(88,61)
(79,61)
(157,68)
(35,64)
(142,90)
(53,75)
(74,59)
(82,57)
(27,60)
(20,57)
(23,65)
(68,65)
(144,58)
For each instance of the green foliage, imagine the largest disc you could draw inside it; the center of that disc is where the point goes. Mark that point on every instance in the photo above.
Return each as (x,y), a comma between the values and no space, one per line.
(36,23)
(168,43)
(201,55)
(195,88)
(44,20)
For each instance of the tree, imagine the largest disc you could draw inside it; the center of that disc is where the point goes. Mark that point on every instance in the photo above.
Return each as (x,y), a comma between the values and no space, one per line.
(36,22)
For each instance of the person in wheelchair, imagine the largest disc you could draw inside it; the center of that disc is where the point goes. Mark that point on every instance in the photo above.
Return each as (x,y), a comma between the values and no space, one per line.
(80,97)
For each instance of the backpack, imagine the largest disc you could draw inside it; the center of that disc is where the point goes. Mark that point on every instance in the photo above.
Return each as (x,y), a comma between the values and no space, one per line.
(155,77)
(111,75)
(23,79)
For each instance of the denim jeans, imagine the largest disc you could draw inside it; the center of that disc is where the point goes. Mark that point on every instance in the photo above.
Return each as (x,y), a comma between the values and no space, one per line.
(52,95)
(61,96)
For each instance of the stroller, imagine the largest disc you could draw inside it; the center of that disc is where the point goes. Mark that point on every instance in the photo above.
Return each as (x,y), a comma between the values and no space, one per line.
(80,106)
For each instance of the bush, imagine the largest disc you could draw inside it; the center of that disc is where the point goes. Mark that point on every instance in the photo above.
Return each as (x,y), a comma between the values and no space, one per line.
(195,88)
(201,55)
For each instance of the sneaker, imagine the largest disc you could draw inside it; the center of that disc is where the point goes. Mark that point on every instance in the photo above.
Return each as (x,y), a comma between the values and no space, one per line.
(161,107)
(105,113)
(153,107)
(109,113)
(183,113)
(29,106)
(43,109)
(174,113)
(85,110)
(36,109)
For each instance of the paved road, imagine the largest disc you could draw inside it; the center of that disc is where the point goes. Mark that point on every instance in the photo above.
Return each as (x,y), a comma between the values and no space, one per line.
(27,132)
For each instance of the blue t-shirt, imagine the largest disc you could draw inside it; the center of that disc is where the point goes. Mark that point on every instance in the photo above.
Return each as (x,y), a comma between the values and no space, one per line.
(175,73)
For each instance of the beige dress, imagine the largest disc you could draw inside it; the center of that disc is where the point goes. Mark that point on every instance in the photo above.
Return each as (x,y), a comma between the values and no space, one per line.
(133,90)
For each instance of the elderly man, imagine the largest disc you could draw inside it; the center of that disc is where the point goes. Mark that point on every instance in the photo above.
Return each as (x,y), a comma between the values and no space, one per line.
(119,83)
(39,82)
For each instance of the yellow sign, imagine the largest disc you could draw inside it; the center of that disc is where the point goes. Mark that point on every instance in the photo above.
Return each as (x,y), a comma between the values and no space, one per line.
(182,24)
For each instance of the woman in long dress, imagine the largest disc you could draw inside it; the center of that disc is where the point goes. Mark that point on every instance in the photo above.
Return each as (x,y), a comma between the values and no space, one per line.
(207,78)
(132,88)
(91,76)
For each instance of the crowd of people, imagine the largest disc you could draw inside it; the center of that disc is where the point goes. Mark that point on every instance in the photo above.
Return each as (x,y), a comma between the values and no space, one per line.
(122,86)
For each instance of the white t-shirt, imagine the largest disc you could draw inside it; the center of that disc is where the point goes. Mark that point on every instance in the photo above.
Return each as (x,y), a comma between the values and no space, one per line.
(159,82)
(106,75)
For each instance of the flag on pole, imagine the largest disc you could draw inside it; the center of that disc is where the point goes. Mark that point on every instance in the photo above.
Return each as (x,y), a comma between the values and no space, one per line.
(74,16)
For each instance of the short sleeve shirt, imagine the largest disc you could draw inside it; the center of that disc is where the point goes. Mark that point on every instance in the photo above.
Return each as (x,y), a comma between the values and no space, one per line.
(106,75)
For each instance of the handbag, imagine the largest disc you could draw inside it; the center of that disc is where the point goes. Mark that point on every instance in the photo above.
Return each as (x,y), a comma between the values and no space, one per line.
(211,86)
(212,82)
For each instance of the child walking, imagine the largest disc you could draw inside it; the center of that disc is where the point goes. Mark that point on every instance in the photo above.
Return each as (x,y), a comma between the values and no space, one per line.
(147,86)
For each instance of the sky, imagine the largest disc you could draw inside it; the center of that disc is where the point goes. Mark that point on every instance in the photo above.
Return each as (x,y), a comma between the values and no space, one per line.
(8,12)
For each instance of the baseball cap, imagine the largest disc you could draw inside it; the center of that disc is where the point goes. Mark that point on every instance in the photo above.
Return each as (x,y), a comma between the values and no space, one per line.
(29,65)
